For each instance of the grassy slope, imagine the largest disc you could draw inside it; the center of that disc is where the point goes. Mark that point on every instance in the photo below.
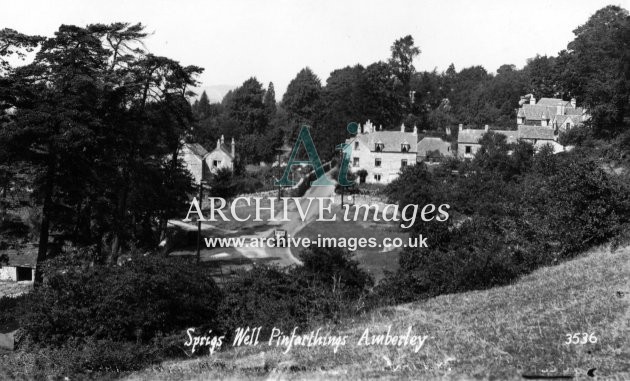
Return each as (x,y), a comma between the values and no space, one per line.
(499,333)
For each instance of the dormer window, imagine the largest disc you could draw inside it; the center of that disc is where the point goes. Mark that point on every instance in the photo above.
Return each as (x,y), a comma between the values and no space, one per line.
(379,146)
(405,147)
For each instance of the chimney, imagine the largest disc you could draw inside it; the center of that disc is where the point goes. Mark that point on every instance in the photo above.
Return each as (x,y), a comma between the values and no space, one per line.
(368,127)
(233,145)
(573,102)
(402,127)
(559,110)
(532,100)
(415,130)
(461,127)
(486,128)
(222,139)
(447,129)
(218,143)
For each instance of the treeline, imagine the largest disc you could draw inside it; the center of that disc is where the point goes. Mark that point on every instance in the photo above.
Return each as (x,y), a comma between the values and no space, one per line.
(593,69)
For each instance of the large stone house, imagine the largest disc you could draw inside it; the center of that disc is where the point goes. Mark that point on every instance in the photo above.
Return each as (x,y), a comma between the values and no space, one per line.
(554,113)
(201,163)
(382,154)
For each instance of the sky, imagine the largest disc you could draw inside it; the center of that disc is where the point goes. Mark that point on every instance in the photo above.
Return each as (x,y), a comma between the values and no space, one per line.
(273,40)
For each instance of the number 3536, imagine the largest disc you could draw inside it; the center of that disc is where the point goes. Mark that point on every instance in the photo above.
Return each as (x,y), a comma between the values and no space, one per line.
(580,338)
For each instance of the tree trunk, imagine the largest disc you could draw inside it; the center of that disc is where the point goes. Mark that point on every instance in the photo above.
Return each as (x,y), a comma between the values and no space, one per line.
(45,225)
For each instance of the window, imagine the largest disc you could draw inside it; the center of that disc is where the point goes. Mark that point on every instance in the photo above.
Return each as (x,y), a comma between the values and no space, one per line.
(404,147)
(356,145)
(377,177)
(355,161)
(379,147)
(468,149)
(403,163)
(377,162)
(215,163)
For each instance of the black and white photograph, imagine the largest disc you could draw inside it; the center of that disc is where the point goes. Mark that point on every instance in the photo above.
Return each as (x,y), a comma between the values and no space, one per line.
(315,190)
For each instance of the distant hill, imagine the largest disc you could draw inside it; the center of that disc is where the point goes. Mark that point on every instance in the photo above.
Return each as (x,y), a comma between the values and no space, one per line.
(215,92)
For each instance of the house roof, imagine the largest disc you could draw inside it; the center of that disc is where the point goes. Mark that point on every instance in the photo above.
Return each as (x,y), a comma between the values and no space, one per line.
(23,257)
(197,149)
(546,109)
(523,132)
(511,135)
(536,132)
(552,102)
(391,140)
(223,147)
(429,145)
(470,136)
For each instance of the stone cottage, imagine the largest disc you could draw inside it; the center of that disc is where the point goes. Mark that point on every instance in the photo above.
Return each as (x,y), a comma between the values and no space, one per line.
(382,154)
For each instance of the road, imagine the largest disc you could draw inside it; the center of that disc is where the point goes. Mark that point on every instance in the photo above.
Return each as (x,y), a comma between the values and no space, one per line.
(282,256)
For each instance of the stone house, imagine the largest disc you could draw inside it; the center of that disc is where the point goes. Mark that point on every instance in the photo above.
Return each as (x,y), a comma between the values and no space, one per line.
(554,113)
(201,163)
(538,136)
(382,154)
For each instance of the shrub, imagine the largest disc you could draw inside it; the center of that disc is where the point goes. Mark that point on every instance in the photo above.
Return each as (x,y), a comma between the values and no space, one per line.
(504,228)
(133,302)
(327,287)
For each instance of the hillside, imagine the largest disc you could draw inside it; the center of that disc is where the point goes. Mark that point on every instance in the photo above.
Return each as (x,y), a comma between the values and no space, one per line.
(501,333)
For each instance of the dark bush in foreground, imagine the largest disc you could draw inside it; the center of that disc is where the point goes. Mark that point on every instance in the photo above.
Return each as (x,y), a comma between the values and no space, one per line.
(134,302)
(328,287)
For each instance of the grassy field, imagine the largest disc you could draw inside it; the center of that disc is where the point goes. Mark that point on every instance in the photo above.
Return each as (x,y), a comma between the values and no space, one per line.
(501,333)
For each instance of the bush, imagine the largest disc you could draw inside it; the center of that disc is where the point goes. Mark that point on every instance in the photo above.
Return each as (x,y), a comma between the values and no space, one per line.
(134,302)
(506,227)
(328,287)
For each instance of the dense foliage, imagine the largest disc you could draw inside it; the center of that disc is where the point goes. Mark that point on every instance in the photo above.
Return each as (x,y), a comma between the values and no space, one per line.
(510,213)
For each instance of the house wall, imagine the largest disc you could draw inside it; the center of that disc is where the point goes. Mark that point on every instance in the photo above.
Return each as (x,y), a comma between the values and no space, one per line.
(8,273)
(461,150)
(390,163)
(193,163)
(225,161)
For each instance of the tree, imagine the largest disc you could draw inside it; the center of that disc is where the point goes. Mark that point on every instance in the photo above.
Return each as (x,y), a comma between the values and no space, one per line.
(301,100)
(95,109)
(270,101)
(401,61)
(202,107)
(595,69)
(245,105)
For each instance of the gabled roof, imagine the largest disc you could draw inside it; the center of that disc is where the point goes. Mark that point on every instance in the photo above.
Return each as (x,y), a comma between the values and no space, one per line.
(23,257)
(225,149)
(391,140)
(544,110)
(428,145)
(536,132)
(196,149)
(552,102)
